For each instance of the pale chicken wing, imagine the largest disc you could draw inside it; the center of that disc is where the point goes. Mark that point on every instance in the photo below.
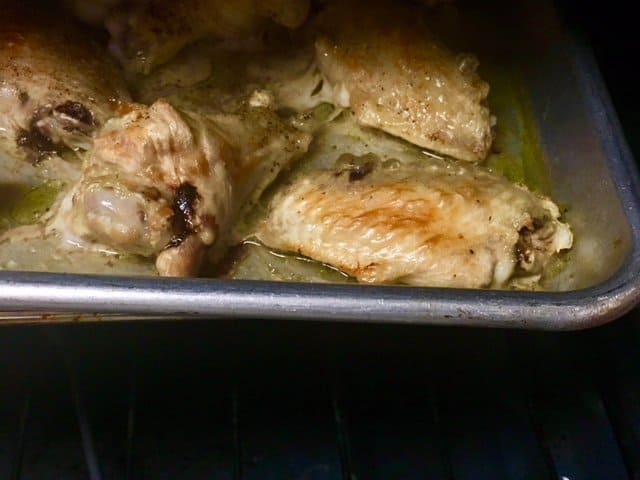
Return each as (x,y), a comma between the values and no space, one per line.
(430,223)
(56,85)
(166,184)
(384,64)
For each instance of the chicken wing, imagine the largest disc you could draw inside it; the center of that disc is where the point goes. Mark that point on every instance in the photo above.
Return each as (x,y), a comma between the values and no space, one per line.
(384,64)
(56,85)
(427,223)
(146,34)
(166,184)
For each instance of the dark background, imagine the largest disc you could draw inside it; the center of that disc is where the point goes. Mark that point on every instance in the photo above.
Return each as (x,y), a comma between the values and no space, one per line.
(287,400)
(613,34)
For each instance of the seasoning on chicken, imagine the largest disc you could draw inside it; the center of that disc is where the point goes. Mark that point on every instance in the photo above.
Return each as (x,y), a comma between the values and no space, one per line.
(428,223)
(384,64)
(148,33)
(56,85)
(166,185)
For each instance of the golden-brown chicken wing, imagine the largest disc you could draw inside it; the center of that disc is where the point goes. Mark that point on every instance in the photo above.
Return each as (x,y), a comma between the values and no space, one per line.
(427,223)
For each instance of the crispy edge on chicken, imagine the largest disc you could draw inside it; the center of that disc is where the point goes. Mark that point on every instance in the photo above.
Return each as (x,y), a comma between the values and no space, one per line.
(165,184)
(384,63)
(433,224)
(56,85)
(149,33)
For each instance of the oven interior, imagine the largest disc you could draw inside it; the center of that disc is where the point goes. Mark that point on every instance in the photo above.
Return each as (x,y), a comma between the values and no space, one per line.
(284,400)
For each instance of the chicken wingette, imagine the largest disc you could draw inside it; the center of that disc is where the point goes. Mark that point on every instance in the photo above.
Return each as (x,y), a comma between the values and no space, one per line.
(427,223)
(148,33)
(57,86)
(166,184)
(384,64)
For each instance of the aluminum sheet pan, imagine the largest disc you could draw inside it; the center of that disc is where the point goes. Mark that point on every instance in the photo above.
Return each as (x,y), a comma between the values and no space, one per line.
(592,171)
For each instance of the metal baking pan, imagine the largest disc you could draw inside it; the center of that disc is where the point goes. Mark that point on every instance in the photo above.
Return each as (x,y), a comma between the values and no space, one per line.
(592,171)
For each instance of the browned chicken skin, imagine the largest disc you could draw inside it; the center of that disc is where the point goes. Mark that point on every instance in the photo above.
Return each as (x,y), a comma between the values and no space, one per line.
(56,85)
(426,223)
